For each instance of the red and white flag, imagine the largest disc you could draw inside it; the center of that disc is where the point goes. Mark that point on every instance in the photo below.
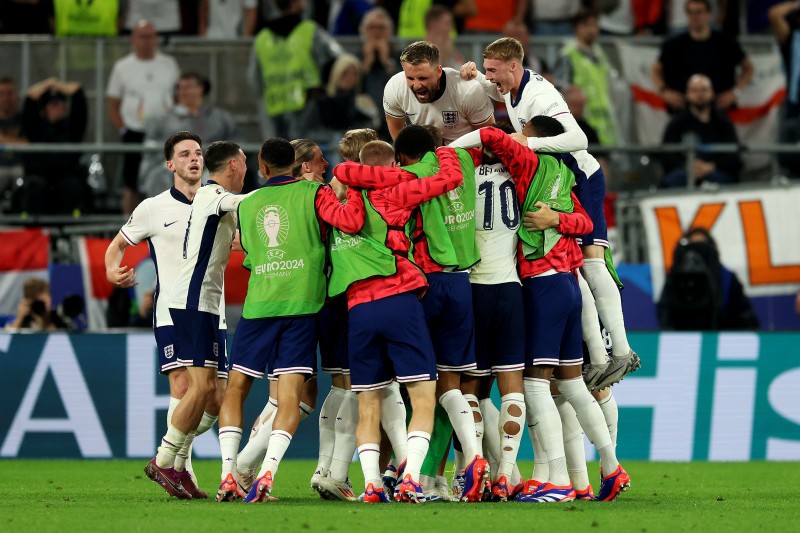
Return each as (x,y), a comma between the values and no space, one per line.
(23,255)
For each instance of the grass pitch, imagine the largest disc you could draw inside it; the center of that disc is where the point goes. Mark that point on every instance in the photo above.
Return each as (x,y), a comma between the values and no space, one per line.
(75,495)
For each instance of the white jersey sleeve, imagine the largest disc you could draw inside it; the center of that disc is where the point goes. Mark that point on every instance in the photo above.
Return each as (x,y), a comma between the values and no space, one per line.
(139,224)
(393,93)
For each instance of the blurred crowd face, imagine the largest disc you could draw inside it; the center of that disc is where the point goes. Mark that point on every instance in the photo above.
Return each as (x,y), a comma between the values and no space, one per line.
(55,110)
(519,31)
(190,92)
(699,92)
(698,16)
(349,79)
(442,26)
(144,40)
(587,31)
(377,27)
(423,80)
(9,100)
(500,73)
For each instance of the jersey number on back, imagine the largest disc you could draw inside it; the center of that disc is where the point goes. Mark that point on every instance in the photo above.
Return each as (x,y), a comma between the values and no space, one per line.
(508,198)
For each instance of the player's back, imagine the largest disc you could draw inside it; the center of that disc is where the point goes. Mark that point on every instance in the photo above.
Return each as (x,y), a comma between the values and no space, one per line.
(497,219)
(206,250)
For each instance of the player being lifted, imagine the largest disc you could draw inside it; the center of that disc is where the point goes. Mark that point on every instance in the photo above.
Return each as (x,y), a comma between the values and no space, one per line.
(526,94)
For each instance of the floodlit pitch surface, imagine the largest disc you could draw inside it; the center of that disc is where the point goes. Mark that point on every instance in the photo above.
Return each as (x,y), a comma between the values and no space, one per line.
(73,495)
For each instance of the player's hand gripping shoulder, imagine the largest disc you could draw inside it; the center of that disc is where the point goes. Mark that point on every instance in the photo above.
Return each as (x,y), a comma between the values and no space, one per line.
(348,217)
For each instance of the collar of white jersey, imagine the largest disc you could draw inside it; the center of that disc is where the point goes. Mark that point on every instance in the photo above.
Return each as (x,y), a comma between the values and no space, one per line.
(178,195)
(526,77)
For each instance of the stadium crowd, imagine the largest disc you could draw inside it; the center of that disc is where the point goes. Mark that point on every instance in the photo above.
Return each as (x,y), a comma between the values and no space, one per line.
(146,98)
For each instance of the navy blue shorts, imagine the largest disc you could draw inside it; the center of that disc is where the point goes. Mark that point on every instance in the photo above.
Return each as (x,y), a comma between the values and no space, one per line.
(167,360)
(196,335)
(553,318)
(332,335)
(591,194)
(499,328)
(388,338)
(448,312)
(284,345)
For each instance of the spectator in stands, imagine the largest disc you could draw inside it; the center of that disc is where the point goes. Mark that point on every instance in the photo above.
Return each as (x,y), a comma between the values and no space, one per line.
(287,62)
(227,19)
(344,106)
(54,112)
(519,30)
(34,311)
(379,59)
(26,16)
(576,102)
(709,125)
(94,19)
(583,63)
(411,16)
(700,293)
(192,112)
(550,17)
(347,20)
(705,51)
(10,126)
(438,30)
(140,87)
(785,21)
(164,15)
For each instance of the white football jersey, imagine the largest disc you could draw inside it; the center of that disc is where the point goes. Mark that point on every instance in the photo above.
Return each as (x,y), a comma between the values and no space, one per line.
(461,107)
(206,249)
(497,218)
(537,96)
(162,221)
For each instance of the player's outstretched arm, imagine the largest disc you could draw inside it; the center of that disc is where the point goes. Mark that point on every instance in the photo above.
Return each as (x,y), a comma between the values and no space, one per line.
(395,125)
(414,192)
(572,140)
(348,217)
(357,175)
(120,276)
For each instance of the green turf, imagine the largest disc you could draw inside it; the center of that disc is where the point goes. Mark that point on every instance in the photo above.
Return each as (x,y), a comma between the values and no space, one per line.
(115,496)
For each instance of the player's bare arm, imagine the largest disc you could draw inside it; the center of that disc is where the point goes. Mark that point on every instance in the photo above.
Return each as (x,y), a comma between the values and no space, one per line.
(119,276)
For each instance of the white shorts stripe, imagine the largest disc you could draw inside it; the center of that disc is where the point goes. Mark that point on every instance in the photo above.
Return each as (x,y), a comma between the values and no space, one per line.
(247,371)
(375,386)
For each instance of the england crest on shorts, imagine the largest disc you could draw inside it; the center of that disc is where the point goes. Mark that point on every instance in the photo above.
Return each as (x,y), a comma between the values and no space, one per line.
(169,351)
(450,118)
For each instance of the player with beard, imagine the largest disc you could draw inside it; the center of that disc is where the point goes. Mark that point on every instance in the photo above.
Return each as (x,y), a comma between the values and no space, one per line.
(426,93)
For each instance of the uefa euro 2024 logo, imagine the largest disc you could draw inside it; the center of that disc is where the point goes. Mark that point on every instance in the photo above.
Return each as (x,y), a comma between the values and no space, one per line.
(273,225)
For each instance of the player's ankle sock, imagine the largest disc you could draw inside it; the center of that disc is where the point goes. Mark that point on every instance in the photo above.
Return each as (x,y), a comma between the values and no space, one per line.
(541,470)
(279,442)
(229,439)
(608,303)
(327,432)
(591,418)
(393,420)
(611,413)
(173,403)
(255,450)
(345,432)
(183,453)
(573,444)
(206,423)
(590,325)
(458,456)
(369,455)
(477,417)
(516,476)
(558,472)
(460,414)
(512,419)
(418,442)
(546,422)
(491,435)
(171,443)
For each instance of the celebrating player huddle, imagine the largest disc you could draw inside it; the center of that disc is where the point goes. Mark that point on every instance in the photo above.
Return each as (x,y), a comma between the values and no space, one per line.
(424,274)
